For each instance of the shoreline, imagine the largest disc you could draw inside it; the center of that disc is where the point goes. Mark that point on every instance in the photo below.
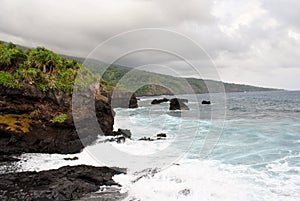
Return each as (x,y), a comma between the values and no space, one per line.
(65,183)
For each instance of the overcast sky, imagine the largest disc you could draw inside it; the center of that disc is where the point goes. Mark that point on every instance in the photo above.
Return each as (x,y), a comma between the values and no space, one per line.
(253,42)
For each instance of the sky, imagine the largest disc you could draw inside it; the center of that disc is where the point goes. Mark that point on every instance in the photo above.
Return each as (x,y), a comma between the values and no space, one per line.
(253,42)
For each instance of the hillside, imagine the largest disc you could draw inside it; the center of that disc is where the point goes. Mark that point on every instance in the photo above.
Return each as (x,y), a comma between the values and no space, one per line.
(115,73)
(127,77)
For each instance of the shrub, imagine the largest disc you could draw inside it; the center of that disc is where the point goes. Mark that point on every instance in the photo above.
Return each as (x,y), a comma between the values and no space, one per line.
(60,118)
(42,68)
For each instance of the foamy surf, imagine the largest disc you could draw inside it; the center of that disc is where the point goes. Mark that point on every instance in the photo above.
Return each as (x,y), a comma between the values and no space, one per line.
(194,180)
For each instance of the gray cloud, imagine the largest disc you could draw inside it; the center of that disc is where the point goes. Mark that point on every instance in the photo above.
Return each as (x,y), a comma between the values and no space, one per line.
(255,42)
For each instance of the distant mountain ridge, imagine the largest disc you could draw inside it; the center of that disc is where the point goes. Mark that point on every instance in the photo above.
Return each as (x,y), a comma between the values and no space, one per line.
(114,74)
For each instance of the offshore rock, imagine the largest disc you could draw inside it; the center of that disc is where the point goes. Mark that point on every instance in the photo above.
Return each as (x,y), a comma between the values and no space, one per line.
(159,101)
(205,102)
(178,104)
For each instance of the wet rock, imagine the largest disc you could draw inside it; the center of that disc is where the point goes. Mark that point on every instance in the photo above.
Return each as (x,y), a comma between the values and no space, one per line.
(146,139)
(205,102)
(123,132)
(151,139)
(118,139)
(159,101)
(161,135)
(66,183)
(71,159)
(178,104)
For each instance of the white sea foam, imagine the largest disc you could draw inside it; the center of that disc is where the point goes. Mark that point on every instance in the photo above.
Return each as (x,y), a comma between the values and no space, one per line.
(256,159)
(39,162)
(142,147)
(194,180)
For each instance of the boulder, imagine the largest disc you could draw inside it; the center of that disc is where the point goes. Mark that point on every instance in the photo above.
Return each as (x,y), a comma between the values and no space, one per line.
(123,132)
(178,104)
(205,102)
(159,101)
(161,135)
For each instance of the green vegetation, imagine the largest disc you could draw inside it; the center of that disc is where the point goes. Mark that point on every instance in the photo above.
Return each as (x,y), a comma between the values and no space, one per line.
(42,68)
(127,78)
(60,118)
(49,71)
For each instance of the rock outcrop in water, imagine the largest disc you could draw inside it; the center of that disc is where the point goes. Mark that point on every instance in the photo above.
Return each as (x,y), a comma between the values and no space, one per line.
(205,102)
(159,101)
(66,183)
(178,104)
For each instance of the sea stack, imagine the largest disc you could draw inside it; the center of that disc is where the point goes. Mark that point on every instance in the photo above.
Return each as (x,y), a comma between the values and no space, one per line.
(178,104)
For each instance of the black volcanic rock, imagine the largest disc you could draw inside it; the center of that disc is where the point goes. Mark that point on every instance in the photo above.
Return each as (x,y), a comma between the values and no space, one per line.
(124,132)
(205,102)
(27,120)
(178,104)
(161,135)
(159,101)
(146,139)
(66,183)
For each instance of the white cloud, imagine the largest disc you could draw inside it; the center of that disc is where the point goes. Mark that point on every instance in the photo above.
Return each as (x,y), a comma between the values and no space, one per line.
(249,40)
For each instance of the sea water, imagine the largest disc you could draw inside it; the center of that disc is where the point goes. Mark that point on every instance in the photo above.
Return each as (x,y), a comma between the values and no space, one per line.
(257,156)
(253,151)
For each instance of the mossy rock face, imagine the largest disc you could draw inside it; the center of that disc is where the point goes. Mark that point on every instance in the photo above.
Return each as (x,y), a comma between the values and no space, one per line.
(36,102)
(15,123)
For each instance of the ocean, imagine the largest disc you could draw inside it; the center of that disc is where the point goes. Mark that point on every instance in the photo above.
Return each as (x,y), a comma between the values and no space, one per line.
(246,148)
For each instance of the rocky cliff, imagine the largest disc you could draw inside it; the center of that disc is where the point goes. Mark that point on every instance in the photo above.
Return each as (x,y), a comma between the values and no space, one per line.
(36,88)
(36,121)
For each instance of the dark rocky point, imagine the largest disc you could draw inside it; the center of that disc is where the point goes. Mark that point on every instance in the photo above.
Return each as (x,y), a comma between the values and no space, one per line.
(161,135)
(178,104)
(71,159)
(66,183)
(146,139)
(151,139)
(159,101)
(118,139)
(124,132)
(205,102)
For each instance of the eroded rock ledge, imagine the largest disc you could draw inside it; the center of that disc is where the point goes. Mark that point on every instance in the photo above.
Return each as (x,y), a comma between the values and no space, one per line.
(66,183)
(36,121)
